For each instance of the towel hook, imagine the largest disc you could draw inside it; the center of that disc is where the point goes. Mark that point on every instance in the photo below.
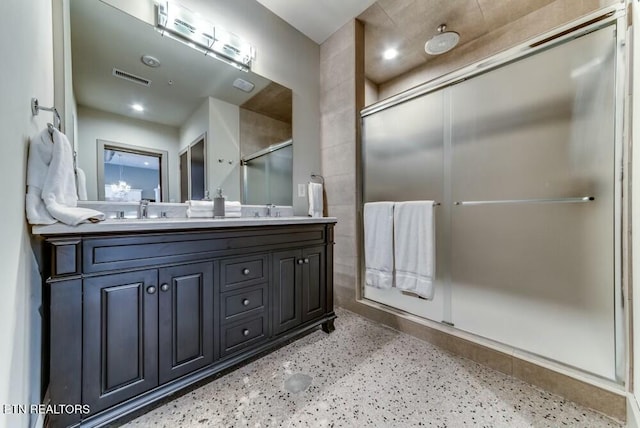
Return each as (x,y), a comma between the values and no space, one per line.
(319,177)
(35,110)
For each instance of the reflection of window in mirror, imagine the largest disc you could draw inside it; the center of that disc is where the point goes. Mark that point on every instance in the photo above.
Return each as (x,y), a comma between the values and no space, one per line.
(193,171)
(130,173)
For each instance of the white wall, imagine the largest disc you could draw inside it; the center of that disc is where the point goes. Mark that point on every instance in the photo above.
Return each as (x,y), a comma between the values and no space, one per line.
(96,124)
(284,55)
(224,143)
(27,71)
(635,208)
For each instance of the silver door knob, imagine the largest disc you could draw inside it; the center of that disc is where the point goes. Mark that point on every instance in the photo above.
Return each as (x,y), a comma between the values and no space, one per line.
(164,287)
(306,261)
(151,289)
(245,302)
(245,271)
(245,332)
(300,261)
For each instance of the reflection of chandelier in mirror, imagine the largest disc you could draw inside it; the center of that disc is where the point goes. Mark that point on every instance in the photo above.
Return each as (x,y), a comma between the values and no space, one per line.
(120,189)
(183,25)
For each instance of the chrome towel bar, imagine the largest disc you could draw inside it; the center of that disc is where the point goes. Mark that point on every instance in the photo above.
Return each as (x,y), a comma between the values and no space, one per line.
(530,201)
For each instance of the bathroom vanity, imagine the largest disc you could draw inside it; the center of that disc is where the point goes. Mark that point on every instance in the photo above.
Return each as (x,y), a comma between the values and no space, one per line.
(137,310)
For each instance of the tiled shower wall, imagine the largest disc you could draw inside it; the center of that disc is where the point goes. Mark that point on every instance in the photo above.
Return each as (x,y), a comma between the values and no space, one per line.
(341,98)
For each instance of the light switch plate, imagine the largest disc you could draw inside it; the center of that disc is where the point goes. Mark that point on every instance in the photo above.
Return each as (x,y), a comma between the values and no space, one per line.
(302,191)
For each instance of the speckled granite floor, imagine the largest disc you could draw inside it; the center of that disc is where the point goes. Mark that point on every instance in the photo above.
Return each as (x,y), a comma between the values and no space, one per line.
(366,375)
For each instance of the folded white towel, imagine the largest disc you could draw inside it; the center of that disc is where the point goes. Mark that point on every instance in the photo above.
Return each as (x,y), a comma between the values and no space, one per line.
(51,187)
(234,214)
(378,244)
(200,204)
(232,207)
(81,184)
(315,199)
(191,213)
(414,247)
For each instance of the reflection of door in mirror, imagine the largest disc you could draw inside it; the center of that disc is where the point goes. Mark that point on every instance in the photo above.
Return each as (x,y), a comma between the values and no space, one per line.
(193,170)
(129,173)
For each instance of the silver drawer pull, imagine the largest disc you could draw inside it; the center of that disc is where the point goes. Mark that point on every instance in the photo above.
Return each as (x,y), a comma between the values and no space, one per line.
(245,302)
(245,271)
(245,332)
(151,289)
(164,287)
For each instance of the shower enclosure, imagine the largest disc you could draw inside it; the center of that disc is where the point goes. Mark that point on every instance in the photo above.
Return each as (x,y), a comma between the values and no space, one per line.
(268,175)
(525,161)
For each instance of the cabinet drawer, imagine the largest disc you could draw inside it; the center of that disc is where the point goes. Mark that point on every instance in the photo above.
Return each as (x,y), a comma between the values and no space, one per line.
(238,304)
(243,271)
(243,334)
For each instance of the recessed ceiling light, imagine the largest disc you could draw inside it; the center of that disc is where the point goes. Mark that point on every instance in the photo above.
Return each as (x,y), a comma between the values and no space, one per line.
(146,163)
(137,107)
(390,54)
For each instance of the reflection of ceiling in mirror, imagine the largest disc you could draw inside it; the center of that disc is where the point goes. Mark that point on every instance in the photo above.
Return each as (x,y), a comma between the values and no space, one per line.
(274,101)
(104,38)
(134,160)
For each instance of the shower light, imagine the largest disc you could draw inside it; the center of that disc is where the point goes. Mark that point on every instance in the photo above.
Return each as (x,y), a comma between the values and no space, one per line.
(390,54)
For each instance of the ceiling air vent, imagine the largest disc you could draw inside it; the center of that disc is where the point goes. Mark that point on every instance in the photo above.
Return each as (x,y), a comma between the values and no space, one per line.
(131,77)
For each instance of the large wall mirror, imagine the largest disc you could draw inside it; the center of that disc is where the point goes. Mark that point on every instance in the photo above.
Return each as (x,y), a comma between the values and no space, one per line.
(134,87)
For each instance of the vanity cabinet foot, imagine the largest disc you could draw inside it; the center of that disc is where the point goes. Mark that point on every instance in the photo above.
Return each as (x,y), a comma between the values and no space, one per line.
(328,327)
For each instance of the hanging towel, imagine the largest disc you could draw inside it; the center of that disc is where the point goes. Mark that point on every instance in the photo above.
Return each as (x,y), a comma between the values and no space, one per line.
(81,184)
(378,244)
(315,199)
(51,191)
(414,247)
(59,190)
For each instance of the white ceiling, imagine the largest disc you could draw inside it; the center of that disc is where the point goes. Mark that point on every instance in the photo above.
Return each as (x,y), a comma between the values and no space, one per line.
(317,19)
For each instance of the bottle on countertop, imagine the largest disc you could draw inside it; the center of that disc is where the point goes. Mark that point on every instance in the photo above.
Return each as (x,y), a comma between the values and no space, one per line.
(218,204)
(206,196)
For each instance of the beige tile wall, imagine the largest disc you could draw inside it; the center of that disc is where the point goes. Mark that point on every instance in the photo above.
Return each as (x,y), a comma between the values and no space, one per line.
(341,96)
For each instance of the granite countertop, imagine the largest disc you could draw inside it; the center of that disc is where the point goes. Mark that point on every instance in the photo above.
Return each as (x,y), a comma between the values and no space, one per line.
(168,224)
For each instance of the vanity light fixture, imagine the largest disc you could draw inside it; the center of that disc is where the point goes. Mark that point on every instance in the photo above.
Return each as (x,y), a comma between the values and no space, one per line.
(137,107)
(187,27)
(390,53)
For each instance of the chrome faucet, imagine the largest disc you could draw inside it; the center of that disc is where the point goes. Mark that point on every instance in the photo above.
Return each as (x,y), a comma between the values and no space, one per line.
(143,208)
(271,210)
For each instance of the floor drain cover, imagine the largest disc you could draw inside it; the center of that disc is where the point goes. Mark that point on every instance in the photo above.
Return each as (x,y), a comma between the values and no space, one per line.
(297,382)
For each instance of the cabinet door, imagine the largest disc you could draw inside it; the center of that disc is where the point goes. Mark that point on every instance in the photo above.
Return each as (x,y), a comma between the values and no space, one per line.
(286,309)
(186,319)
(120,338)
(313,283)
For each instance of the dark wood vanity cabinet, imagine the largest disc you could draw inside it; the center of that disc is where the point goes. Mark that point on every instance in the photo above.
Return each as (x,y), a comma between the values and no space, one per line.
(298,291)
(148,314)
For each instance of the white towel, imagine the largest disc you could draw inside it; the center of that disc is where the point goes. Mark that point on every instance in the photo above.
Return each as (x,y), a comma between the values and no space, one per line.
(200,209)
(378,244)
(232,207)
(191,213)
(414,247)
(315,199)
(81,184)
(51,187)
(235,214)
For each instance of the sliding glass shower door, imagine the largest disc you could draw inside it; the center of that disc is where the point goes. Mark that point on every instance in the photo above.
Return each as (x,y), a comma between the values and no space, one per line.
(523,160)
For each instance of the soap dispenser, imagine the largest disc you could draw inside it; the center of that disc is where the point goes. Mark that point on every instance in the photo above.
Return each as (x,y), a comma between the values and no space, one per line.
(218,204)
